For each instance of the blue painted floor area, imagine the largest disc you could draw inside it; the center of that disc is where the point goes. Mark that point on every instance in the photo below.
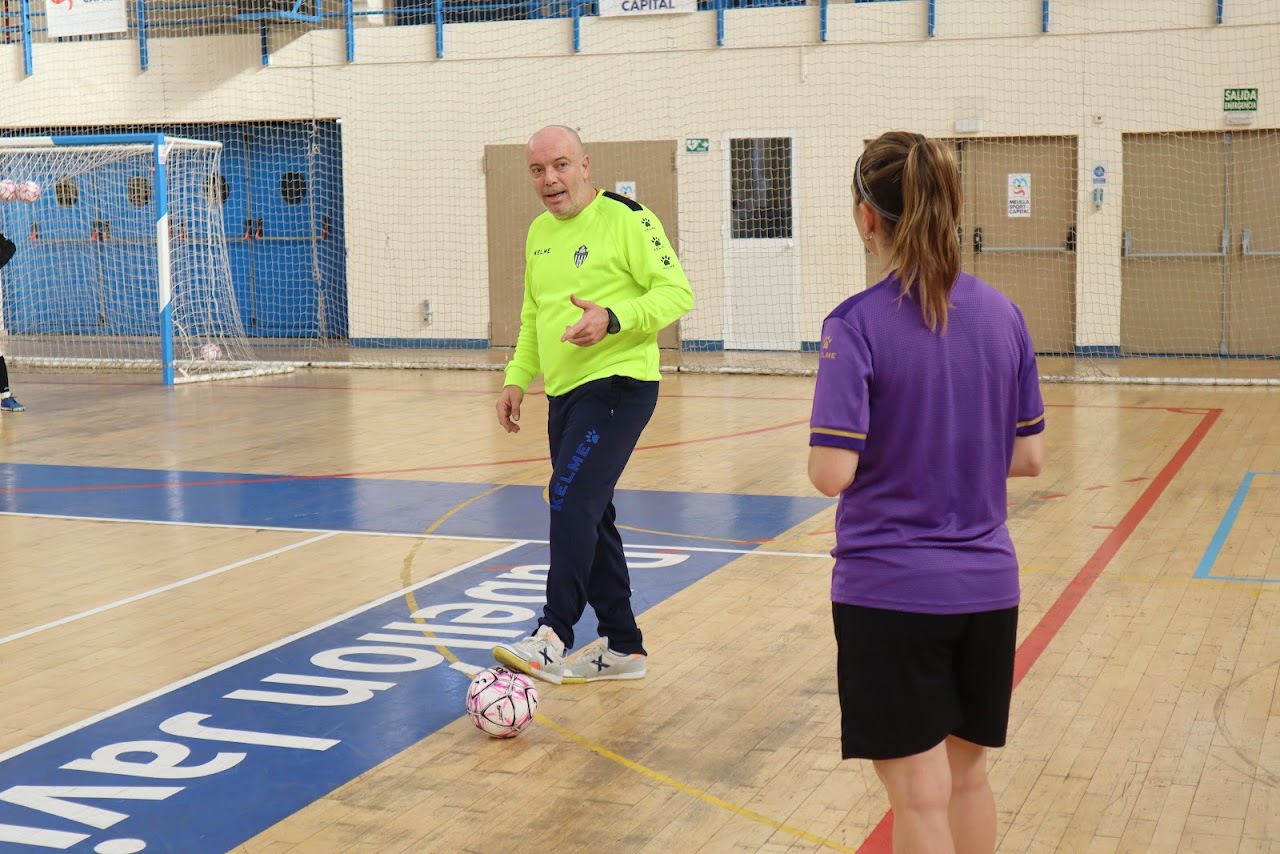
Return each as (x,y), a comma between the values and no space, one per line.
(207,764)
(374,505)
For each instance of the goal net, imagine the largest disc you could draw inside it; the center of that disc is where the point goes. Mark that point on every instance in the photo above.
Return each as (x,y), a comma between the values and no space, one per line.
(1117,158)
(121,257)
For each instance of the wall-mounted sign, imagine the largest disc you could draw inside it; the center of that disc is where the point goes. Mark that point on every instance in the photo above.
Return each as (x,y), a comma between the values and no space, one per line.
(1240,100)
(646,7)
(1019,194)
(85,17)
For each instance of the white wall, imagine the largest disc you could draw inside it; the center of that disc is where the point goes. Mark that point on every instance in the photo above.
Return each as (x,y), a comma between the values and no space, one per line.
(415,127)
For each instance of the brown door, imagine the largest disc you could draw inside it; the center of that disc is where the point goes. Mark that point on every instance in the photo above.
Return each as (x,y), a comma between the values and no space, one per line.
(1253,262)
(512,206)
(1018,229)
(1173,268)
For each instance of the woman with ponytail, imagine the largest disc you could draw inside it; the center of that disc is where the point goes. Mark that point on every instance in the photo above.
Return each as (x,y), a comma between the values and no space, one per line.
(927,399)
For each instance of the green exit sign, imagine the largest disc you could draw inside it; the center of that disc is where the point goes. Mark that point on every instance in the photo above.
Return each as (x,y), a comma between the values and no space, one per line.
(1240,100)
(697,145)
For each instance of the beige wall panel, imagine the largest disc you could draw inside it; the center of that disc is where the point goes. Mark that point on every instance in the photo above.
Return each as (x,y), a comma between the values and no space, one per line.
(1244,12)
(903,20)
(1080,16)
(986,18)
(783,26)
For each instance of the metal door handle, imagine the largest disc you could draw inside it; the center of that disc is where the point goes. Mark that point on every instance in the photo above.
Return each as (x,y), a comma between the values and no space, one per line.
(979,246)
(1127,250)
(1246,247)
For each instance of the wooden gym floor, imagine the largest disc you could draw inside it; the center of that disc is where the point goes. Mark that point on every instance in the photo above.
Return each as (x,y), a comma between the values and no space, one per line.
(177,564)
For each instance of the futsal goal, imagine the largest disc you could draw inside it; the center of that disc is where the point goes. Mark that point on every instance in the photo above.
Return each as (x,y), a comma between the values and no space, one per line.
(121,259)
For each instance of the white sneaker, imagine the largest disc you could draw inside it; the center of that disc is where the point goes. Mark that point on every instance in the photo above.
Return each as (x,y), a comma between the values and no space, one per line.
(595,662)
(541,655)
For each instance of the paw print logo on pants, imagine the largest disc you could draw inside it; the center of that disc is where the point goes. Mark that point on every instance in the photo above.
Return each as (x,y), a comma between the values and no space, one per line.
(593,437)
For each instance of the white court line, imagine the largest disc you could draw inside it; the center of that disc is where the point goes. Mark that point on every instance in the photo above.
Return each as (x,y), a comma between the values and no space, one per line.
(157,591)
(657,546)
(217,668)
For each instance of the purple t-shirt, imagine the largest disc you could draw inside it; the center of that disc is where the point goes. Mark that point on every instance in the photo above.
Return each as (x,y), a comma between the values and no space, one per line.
(933,417)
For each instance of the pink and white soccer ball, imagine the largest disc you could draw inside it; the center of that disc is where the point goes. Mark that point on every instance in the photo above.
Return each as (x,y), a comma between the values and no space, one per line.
(501,702)
(28,191)
(210,352)
(8,190)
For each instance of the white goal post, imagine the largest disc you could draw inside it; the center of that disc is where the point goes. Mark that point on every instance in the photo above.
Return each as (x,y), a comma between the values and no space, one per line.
(121,258)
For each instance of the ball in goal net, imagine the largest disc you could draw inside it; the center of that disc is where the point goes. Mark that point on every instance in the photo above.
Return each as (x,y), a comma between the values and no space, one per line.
(121,260)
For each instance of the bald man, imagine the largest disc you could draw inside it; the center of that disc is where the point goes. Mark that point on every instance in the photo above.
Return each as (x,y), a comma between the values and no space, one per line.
(601,280)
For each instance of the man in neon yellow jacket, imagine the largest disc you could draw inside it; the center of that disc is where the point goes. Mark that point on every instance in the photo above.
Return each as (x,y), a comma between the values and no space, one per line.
(600,281)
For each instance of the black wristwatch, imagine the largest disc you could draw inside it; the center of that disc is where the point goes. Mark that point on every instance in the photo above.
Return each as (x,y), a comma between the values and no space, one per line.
(614,327)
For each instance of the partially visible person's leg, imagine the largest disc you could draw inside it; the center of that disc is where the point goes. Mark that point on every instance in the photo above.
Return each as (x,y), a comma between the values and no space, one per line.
(919,789)
(972,811)
(609,589)
(898,704)
(984,661)
(542,654)
(595,430)
(609,585)
(8,403)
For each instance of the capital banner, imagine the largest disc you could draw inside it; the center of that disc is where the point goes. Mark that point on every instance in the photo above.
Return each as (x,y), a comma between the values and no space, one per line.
(646,7)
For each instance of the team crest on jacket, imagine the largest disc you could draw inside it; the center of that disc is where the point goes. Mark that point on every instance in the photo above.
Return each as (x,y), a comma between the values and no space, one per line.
(580,256)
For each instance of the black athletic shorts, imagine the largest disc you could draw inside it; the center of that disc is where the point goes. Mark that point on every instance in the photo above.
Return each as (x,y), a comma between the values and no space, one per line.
(907,680)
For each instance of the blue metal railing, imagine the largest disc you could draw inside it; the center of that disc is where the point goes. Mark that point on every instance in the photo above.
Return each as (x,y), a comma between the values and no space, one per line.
(152,18)
(144,53)
(27,64)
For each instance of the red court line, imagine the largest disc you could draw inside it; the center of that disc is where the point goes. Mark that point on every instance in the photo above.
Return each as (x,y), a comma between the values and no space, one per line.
(534,393)
(881,839)
(399,391)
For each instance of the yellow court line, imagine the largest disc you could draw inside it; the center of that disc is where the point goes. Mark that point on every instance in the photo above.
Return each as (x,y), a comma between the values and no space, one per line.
(682,535)
(406,575)
(689,790)
(411,600)
(546,499)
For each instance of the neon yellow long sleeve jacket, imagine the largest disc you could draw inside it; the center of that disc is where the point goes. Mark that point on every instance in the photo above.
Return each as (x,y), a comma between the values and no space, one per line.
(616,254)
